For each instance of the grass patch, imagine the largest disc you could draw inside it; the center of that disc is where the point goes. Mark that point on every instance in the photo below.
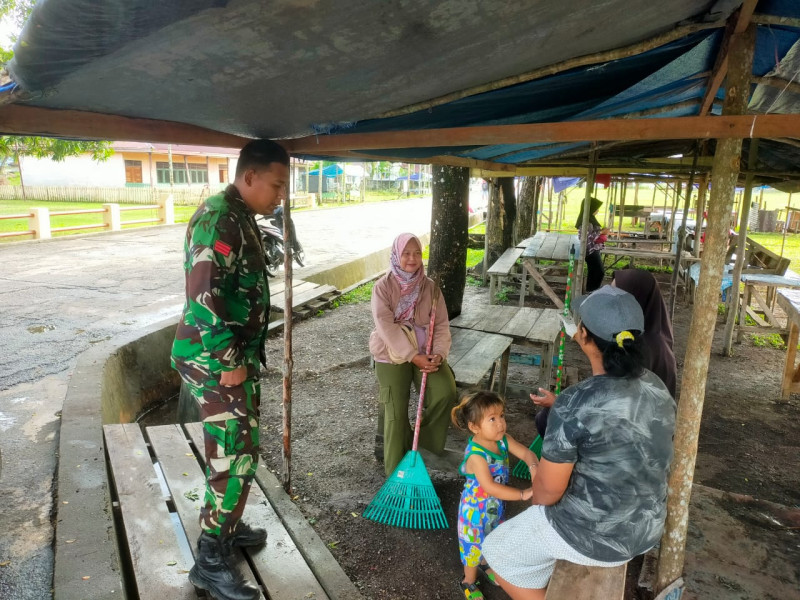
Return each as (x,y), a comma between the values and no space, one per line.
(773,340)
(359,295)
(479,228)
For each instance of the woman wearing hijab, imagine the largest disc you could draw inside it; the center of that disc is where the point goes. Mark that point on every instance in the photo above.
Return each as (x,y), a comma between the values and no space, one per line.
(600,488)
(657,326)
(595,241)
(401,308)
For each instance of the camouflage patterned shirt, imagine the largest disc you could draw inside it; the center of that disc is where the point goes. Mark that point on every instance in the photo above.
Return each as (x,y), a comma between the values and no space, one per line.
(226,313)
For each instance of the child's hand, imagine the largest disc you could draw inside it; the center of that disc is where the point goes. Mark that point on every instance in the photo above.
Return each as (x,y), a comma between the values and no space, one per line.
(545,398)
(527,494)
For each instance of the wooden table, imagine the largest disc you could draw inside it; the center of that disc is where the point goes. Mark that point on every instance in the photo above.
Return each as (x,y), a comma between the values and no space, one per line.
(551,247)
(789,301)
(473,354)
(768,323)
(527,326)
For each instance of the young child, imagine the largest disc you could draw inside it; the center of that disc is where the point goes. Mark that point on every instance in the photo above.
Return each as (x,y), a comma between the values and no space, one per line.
(485,466)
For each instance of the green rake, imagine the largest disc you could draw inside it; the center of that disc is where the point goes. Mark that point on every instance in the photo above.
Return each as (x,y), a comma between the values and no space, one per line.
(407,499)
(521,470)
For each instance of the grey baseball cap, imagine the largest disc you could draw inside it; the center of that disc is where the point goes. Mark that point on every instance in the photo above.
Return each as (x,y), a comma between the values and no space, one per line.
(608,311)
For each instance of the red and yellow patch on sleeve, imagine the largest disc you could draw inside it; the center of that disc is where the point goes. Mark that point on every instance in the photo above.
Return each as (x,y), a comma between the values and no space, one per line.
(222,248)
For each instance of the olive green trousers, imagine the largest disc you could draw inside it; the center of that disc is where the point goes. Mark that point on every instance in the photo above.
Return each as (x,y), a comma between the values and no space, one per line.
(440,398)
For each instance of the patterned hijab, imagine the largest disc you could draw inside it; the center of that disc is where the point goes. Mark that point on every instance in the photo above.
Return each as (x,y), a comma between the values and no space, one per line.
(410,283)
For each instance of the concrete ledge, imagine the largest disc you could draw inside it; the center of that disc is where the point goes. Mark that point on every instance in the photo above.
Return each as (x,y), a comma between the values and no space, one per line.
(111,383)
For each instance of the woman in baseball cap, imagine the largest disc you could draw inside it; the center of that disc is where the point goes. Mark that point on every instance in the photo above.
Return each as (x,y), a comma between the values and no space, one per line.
(600,488)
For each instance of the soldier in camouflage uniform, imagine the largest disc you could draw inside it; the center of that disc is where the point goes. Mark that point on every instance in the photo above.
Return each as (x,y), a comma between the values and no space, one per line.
(218,348)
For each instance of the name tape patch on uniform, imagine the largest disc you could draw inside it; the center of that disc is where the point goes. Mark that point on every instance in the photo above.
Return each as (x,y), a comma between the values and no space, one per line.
(222,248)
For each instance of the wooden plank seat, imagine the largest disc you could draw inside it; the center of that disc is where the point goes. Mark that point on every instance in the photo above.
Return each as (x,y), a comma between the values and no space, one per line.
(474,354)
(502,270)
(761,308)
(579,582)
(159,489)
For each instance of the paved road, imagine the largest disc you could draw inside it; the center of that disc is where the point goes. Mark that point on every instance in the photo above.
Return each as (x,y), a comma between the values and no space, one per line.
(59,297)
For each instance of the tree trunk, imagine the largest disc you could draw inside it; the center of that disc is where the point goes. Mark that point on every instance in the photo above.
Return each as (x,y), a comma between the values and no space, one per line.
(526,209)
(724,174)
(449,223)
(509,210)
(494,226)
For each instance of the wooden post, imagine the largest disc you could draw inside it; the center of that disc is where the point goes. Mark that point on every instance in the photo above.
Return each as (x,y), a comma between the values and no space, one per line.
(621,208)
(319,182)
(786,222)
(682,235)
(288,361)
(166,211)
(701,209)
(744,218)
(587,203)
(695,371)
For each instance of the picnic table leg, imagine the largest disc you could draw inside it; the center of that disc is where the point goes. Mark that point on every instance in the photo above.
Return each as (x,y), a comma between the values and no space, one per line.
(743,312)
(547,366)
(523,285)
(504,372)
(789,373)
(492,289)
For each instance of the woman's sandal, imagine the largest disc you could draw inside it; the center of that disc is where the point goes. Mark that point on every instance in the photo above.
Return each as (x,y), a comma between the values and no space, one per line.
(489,575)
(471,591)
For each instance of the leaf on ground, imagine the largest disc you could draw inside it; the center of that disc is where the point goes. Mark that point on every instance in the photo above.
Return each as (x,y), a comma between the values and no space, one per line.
(172,563)
(5,563)
(86,577)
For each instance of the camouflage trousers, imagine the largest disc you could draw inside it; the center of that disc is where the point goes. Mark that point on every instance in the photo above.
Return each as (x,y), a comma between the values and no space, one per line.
(230,432)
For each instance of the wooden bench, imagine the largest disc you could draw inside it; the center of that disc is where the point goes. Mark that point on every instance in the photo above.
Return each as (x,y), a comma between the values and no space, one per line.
(501,270)
(158,489)
(473,354)
(579,582)
(757,258)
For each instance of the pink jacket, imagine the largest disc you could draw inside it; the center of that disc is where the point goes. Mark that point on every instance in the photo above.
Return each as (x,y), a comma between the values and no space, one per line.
(387,333)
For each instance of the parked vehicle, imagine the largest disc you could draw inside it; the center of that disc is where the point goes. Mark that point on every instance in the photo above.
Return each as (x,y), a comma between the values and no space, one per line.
(271,228)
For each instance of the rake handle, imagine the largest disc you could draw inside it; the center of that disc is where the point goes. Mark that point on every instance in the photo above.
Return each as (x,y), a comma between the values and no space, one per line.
(428,348)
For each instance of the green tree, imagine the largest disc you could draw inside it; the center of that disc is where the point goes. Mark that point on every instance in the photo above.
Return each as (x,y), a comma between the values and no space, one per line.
(16,11)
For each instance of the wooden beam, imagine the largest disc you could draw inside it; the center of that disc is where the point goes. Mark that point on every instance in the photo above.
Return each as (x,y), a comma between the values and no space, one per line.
(16,119)
(506,169)
(776,20)
(778,82)
(737,24)
(674,128)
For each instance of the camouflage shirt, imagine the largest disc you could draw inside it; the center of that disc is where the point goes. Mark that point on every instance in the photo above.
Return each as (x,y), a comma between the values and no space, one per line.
(225,317)
(618,433)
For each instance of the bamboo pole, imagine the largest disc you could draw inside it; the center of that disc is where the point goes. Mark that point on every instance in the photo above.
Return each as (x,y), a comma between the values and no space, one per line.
(744,219)
(288,361)
(695,371)
(682,235)
(572,63)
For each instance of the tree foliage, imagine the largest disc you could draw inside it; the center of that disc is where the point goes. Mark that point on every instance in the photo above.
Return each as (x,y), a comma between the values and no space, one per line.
(16,11)
(53,148)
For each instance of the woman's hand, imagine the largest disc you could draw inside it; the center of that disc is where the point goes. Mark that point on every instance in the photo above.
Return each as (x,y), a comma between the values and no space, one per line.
(427,363)
(526,494)
(545,398)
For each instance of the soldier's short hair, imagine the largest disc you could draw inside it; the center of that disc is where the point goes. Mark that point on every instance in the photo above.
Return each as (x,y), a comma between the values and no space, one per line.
(259,154)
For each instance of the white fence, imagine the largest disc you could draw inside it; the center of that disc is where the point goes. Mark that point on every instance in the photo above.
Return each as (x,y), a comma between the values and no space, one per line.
(117,195)
(39,225)
(125,195)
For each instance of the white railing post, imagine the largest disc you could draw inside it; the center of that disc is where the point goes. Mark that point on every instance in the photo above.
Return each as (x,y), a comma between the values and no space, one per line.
(39,223)
(111,218)
(166,211)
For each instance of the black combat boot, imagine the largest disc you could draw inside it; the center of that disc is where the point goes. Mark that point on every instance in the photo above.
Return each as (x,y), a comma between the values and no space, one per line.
(244,535)
(213,572)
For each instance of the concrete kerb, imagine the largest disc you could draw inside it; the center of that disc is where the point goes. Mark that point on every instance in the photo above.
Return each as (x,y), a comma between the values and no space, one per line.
(102,389)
